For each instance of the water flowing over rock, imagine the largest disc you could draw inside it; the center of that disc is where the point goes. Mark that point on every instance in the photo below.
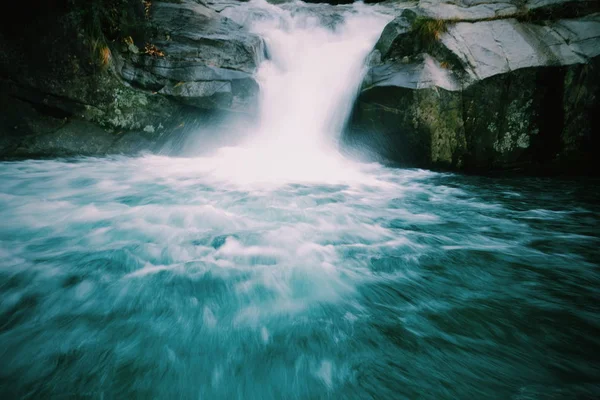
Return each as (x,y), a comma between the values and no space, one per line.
(485,85)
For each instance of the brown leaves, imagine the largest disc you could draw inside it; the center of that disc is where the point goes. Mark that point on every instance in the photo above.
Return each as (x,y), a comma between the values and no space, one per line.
(429,30)
(153,51)
(105,56)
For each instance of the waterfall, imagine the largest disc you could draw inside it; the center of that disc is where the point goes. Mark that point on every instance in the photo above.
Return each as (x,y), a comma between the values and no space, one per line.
(278,269)
(308,84)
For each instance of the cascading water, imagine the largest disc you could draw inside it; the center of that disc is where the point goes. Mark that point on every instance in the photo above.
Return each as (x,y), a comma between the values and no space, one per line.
(310,81)
(279,270)
(308,85)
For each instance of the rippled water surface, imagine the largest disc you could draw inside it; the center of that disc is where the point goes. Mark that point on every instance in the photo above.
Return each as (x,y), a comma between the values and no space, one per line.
(150,278)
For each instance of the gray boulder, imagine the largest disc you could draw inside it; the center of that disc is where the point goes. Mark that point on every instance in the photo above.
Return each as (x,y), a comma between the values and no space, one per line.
(486,89)
(209,60)
(194,62)
(74,138)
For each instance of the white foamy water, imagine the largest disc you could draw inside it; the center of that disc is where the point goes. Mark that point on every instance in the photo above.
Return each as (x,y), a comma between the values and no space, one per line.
(146,278)
(307,87)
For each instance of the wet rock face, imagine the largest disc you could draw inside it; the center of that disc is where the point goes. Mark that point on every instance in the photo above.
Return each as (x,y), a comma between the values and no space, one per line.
(489,86)
(195,62)
(209,60)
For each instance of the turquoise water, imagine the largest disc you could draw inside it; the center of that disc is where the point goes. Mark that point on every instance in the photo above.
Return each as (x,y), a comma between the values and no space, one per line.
(149,278)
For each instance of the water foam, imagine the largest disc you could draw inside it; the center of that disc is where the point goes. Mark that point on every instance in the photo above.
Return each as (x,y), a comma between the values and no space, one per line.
(307,88)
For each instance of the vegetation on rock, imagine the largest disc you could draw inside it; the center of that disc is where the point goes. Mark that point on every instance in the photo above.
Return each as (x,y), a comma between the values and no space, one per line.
(102,22)
(429,30)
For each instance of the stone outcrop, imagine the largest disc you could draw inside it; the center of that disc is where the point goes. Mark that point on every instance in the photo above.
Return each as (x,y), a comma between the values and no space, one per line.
(126,94)
(209,59)
(483,85)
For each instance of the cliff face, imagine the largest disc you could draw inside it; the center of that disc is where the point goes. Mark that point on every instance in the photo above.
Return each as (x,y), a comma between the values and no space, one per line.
(459,84)
(482,85)
(112,76)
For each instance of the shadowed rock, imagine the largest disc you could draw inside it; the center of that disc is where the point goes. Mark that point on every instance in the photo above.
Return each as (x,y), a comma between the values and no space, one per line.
(488,86)
(191,61)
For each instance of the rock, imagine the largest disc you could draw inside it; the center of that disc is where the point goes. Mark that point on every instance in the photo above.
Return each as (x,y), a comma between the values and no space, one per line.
(209,59)
(466,10)
(426,73)
(411,127)
(399,26)
(487,93)
(479,10)
(134,143)
(220,5)
(197,62)
(20,119)
(75,138)
(489,48)
(196,32)
(332,2)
